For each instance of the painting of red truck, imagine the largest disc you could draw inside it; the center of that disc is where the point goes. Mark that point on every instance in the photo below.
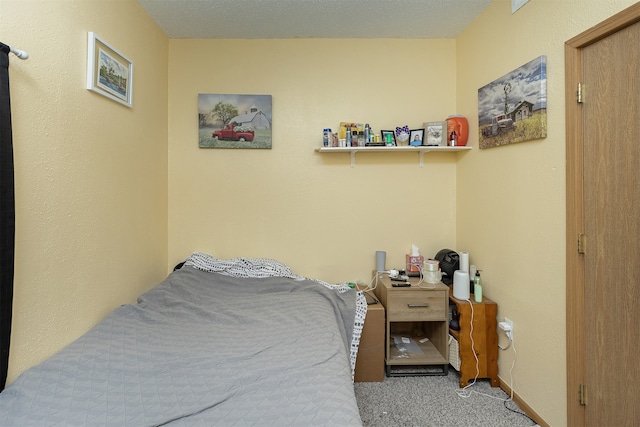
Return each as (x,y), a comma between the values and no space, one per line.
(234,121)
(233,132)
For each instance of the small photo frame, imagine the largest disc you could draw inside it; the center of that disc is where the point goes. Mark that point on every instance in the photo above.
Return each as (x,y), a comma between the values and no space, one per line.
(109,72)
(388,137)
(416,137)
(436,133)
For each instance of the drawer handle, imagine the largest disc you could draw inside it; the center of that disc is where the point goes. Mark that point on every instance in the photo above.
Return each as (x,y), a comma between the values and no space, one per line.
(424,304)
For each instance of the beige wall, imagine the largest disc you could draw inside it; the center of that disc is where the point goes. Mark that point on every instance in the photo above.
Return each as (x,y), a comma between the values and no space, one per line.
(511,199)
(93,226)
(91,174)
(310,210)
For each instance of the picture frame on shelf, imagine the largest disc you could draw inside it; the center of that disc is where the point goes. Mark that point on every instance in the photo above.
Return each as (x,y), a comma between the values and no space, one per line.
(109,72)
(416,137)
(388,137)
(436,133)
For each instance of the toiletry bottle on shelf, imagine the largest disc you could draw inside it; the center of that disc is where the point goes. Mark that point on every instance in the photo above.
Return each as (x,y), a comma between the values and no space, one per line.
(453,139)
(477,287)
(326,137)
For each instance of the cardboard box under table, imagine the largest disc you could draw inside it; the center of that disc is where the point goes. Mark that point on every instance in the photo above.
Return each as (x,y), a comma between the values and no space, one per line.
(370,362)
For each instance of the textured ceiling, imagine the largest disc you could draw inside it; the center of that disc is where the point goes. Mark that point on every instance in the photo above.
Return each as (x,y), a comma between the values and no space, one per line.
(265,19)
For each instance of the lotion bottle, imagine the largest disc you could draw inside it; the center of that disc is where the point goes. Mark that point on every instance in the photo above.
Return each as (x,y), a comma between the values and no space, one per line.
(477,287)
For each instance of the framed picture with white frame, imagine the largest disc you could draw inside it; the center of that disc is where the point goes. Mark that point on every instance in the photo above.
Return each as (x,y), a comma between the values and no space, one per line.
(109,72)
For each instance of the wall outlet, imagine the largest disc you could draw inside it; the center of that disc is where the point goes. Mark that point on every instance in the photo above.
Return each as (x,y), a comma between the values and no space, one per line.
(510,331)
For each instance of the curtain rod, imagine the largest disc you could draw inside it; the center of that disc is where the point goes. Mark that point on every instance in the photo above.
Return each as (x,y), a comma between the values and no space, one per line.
(19,53)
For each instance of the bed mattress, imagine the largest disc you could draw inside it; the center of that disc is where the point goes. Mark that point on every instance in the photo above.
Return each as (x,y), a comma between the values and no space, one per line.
(202,349)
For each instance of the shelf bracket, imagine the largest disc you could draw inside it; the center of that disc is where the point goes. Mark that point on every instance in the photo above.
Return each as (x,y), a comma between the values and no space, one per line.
(353,158)
(421,158)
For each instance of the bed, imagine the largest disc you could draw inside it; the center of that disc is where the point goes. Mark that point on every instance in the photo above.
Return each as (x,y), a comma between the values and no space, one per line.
(218,342)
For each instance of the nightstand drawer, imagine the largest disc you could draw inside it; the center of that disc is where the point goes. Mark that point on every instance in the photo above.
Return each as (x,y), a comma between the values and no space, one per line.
(418,305)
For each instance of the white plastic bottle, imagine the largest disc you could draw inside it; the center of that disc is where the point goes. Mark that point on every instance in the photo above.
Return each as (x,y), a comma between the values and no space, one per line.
(477,287)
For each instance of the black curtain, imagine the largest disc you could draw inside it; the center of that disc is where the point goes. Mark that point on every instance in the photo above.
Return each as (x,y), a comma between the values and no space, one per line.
(7,215)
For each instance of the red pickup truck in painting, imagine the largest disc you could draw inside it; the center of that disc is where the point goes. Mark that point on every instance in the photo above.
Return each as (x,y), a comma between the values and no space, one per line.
(235,133)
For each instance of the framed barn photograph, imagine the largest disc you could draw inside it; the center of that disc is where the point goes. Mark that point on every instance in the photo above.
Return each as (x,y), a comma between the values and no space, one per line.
(109,72)
(513,108)
(234,121)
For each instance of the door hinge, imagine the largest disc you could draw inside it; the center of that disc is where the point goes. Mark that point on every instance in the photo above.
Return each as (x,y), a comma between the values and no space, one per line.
(583,394)
(582,243)
(580,94)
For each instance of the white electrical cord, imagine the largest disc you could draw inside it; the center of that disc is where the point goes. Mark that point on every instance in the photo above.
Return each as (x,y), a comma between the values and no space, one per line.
(464,393)
(504,348)
(373,284)
(374,281)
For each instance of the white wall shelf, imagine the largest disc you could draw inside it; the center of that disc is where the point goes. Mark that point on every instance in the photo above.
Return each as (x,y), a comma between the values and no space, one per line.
(421,150)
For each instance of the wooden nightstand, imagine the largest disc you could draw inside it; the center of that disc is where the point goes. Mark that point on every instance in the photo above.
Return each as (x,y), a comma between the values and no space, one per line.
(483,315)
(417,327)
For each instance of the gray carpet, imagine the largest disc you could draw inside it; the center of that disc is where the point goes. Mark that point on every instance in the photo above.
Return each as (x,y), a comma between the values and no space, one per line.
(432,401)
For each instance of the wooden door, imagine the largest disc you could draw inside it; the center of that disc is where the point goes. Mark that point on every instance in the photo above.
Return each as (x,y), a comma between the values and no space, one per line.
(603,204)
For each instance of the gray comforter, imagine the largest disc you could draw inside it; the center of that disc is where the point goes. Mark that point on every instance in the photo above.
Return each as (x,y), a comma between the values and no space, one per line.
(201,349)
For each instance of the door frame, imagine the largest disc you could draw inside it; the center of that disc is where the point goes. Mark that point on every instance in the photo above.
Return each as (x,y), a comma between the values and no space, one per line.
(575,312)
